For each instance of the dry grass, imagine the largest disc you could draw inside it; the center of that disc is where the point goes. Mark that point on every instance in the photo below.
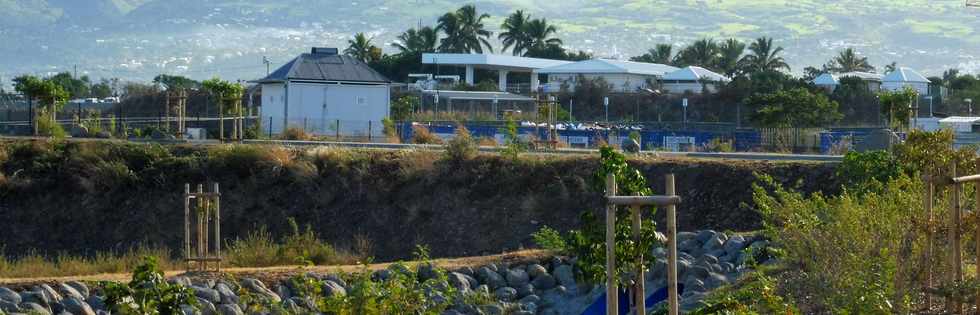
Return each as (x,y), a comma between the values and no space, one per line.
(295,133)
(34,264)
(301,247)
(422,135)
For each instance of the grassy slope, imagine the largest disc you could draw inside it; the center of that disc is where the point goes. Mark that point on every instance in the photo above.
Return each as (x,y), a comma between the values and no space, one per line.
(85,197)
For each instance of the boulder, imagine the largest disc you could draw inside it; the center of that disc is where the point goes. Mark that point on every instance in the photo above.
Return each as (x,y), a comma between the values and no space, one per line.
(77,306)
(704,236)
(473,282)
(467,270)
(458,281)
(227,295)
(490,278)
(210,295)
(182,280)
(715,280)
(34,308)
(693,284)
(35,297)
(78,132)
(381,275)
(482,289)
(81,287)
(230,309)
(68,291)
(331,288)
(530,299)
(8,307)
(683,236)
(699,272)
(565,276)
(524,290)
(206,307)
(734,245)
(544,282)
(517,277)
(49,292)
(284,292)
(492,309)
(425,271)
(659,252)
(259,288)
(9,295)
(535,270)
(505,294)
(710,259)
(714,243)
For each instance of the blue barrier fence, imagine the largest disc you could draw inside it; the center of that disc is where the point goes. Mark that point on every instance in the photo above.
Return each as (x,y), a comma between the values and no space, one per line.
(743,140)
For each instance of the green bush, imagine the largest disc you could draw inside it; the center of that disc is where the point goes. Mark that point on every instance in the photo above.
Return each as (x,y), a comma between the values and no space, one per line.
(550,239)
(868,170)
(513,146)
(147,293)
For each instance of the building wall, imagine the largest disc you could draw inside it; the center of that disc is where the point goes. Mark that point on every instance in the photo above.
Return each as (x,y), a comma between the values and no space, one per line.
(620,81)
(330,109)
(921,87)
(693,86)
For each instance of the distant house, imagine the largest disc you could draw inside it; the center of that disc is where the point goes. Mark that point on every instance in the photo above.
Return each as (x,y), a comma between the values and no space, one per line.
(905,77)
(830,82)
(325,93)
(693,79)
(624,76)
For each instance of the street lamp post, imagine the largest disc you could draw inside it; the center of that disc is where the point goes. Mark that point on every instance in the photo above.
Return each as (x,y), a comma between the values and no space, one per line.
(684,104)
(969,103)
(605,102)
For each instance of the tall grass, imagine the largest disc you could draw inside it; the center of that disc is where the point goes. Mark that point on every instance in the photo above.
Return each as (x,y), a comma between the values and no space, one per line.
(34,264)
(301,247)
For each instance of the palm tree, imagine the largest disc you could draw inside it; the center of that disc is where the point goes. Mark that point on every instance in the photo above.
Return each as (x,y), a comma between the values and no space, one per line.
(849,61)
(417,41)
(730,52)
(763,57)
(515,32)
(703,52)
(539,33)
(891,67)
(662,54)
(465,31)
(950,75)
(360,47)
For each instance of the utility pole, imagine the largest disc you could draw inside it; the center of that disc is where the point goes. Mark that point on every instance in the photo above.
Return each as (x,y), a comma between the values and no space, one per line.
(266,61)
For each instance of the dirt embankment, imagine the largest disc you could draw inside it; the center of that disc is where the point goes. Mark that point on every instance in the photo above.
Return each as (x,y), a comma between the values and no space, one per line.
(86,197)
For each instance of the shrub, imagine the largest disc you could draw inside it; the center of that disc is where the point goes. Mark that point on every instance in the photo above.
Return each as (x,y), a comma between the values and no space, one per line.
(463,146)
(719,145)
(300,247)
(863,171)
(46,126)
(421,135)
(550,239)
(514,145)
(390,130)
(147,293)
(295,133)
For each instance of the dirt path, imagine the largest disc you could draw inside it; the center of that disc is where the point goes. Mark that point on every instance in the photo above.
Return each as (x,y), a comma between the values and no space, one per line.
(276,273)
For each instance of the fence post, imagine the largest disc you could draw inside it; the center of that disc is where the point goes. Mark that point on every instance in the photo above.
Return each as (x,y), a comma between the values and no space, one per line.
(639,294)
(956,271)
(338,130)
(369,130)
(270,127)
(976,186)
(671,249)
(612,293)
(930,235)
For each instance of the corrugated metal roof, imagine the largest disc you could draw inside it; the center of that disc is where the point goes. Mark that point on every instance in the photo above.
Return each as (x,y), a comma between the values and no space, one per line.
(904,74)
(608,66)
(325,67)
(826,79)
(695,73)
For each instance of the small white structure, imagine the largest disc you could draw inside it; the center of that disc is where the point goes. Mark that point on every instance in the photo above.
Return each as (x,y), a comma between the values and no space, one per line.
(959,124)
(325,93)
(905,77)
(693,79)
(624,76)
(830,82)
(503,64)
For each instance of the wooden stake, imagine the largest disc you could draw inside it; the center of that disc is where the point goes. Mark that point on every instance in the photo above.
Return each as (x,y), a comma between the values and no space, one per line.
(976,211)
(930,237)
(187,224)
(671,249)
(639,286)
(612,293)
(217,227)
(955,261)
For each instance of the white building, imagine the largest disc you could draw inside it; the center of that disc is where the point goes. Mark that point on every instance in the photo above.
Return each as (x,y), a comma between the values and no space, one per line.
(503,64)
(830,82)
(905,77)
(693,79)
(325,93)
(624,76)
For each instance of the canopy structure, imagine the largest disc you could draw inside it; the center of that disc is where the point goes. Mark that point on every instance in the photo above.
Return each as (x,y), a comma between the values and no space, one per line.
(695,73)
(504,64)
(609,66)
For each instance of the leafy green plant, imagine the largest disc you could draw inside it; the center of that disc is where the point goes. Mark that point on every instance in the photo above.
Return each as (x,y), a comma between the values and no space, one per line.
(513,145)
(756,294)
(148,293)
(550,239)
(868,170)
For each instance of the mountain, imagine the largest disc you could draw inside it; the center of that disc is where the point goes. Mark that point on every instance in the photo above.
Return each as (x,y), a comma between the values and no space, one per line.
(137,39)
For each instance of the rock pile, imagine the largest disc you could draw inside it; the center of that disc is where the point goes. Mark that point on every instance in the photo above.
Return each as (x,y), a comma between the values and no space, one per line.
(706,260)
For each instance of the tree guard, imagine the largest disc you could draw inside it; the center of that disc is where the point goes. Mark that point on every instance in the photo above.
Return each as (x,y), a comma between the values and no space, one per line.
(205,217)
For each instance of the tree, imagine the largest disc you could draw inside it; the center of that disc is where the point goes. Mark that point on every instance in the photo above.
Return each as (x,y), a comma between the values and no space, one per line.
(896,105)
(102,89)
(171,82)
(810,73)
(763,57)
(76,88)
(50,95)
(849,61)
(662,54)
(703,52)
(856,99)
(539,34)
(729,54)
(891,67)
(361,48)
(796,107)
(949,76)
(417,41)
(514,32)
(465,32)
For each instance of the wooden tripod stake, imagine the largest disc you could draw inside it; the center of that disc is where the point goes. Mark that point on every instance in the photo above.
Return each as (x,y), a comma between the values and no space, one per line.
(670,201)
(207,215)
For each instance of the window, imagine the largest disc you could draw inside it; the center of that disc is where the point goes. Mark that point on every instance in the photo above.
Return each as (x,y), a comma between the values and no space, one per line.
(360,100)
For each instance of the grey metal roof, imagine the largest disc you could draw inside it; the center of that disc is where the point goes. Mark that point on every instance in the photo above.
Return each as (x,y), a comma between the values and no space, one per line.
(478,95)
(325,67)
